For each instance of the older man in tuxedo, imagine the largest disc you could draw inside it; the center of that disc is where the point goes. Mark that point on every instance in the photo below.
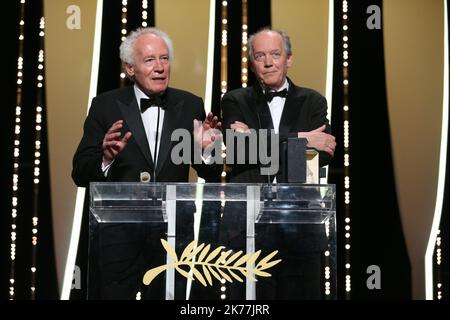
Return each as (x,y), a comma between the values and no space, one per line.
(121,138)
(276,103)
(128,133)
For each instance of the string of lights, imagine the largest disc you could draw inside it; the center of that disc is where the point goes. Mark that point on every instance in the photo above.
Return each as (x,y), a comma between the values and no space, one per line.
(224,69)
(123,31)
(16,154)
(346,117)
(144,24)
(438,280)
(144,13)
(327,268)
(224,50)
(223,90)
(244,48)
(37,156)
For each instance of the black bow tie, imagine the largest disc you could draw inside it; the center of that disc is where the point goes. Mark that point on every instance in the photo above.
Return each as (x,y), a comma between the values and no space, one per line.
(157,101)
(270,94)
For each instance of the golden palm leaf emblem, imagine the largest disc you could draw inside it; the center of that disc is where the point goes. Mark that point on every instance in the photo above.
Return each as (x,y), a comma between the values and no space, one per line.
(211,264)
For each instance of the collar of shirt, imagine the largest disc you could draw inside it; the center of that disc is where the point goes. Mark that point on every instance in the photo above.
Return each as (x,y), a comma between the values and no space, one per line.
(139,94)
(284,86)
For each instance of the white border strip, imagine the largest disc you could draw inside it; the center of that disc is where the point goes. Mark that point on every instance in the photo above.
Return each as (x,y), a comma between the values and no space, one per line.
(330,64)
(78,214)
(330,57)
(210,63)
(442,168)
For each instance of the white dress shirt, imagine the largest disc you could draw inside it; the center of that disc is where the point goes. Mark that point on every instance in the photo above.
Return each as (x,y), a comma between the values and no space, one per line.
(150,120)
(276,107)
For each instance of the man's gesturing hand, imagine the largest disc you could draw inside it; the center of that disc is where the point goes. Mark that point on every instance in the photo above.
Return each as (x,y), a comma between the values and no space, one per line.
(112,143)
(207,132)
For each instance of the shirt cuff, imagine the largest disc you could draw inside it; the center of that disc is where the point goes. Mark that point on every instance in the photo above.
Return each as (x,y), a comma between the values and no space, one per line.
(207,160)
(105,168)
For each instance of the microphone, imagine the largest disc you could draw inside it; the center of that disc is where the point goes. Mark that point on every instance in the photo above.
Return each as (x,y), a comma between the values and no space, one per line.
(159,104)
(156,193)
(158,101)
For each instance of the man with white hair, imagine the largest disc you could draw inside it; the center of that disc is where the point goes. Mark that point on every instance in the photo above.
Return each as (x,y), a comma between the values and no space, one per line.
(127,137)
(127,127)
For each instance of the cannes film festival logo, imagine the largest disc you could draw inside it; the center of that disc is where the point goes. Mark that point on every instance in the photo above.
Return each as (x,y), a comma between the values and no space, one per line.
(204,264)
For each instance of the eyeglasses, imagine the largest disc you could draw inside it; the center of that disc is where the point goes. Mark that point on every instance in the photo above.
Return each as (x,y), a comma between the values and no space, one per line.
(261,56)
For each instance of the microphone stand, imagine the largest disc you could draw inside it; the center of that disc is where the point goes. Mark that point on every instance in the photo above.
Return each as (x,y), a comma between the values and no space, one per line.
(154,195)
(155,153)
(268,194)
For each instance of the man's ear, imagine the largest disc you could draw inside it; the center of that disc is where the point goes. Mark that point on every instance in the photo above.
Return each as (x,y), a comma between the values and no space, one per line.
(130,70)
(289,60)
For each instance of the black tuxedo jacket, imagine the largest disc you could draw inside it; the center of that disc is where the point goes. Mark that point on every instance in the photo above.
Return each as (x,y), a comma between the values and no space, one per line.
(107,108)
(304,110)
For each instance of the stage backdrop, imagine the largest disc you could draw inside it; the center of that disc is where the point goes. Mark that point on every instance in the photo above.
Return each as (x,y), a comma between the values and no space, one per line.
(309,48)
(68,68)
(414,55)
(188,27)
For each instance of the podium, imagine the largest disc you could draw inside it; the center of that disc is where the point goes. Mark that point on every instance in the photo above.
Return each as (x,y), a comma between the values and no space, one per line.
(211,241)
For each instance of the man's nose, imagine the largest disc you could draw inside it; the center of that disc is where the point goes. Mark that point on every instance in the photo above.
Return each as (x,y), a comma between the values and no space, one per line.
(158,66)
(268,62)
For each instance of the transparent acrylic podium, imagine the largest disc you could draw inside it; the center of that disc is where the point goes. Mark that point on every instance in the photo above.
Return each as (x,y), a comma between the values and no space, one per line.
(283,236)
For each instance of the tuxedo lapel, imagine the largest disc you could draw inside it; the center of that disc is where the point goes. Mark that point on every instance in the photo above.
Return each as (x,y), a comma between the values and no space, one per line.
(132,116)
(291,110)
(261,112)
(171,119)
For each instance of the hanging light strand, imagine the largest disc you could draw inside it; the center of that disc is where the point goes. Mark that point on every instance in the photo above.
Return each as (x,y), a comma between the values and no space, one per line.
(16,154)
(244,45)
(144,13)
(37,157)
(224,67)
(224,49)
(223,90)
(123,34)
(346,117)
(438,269)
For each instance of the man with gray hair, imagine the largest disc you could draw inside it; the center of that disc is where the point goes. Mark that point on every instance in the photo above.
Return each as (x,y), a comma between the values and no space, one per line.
(128,138)
(128,130)
(276,103)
